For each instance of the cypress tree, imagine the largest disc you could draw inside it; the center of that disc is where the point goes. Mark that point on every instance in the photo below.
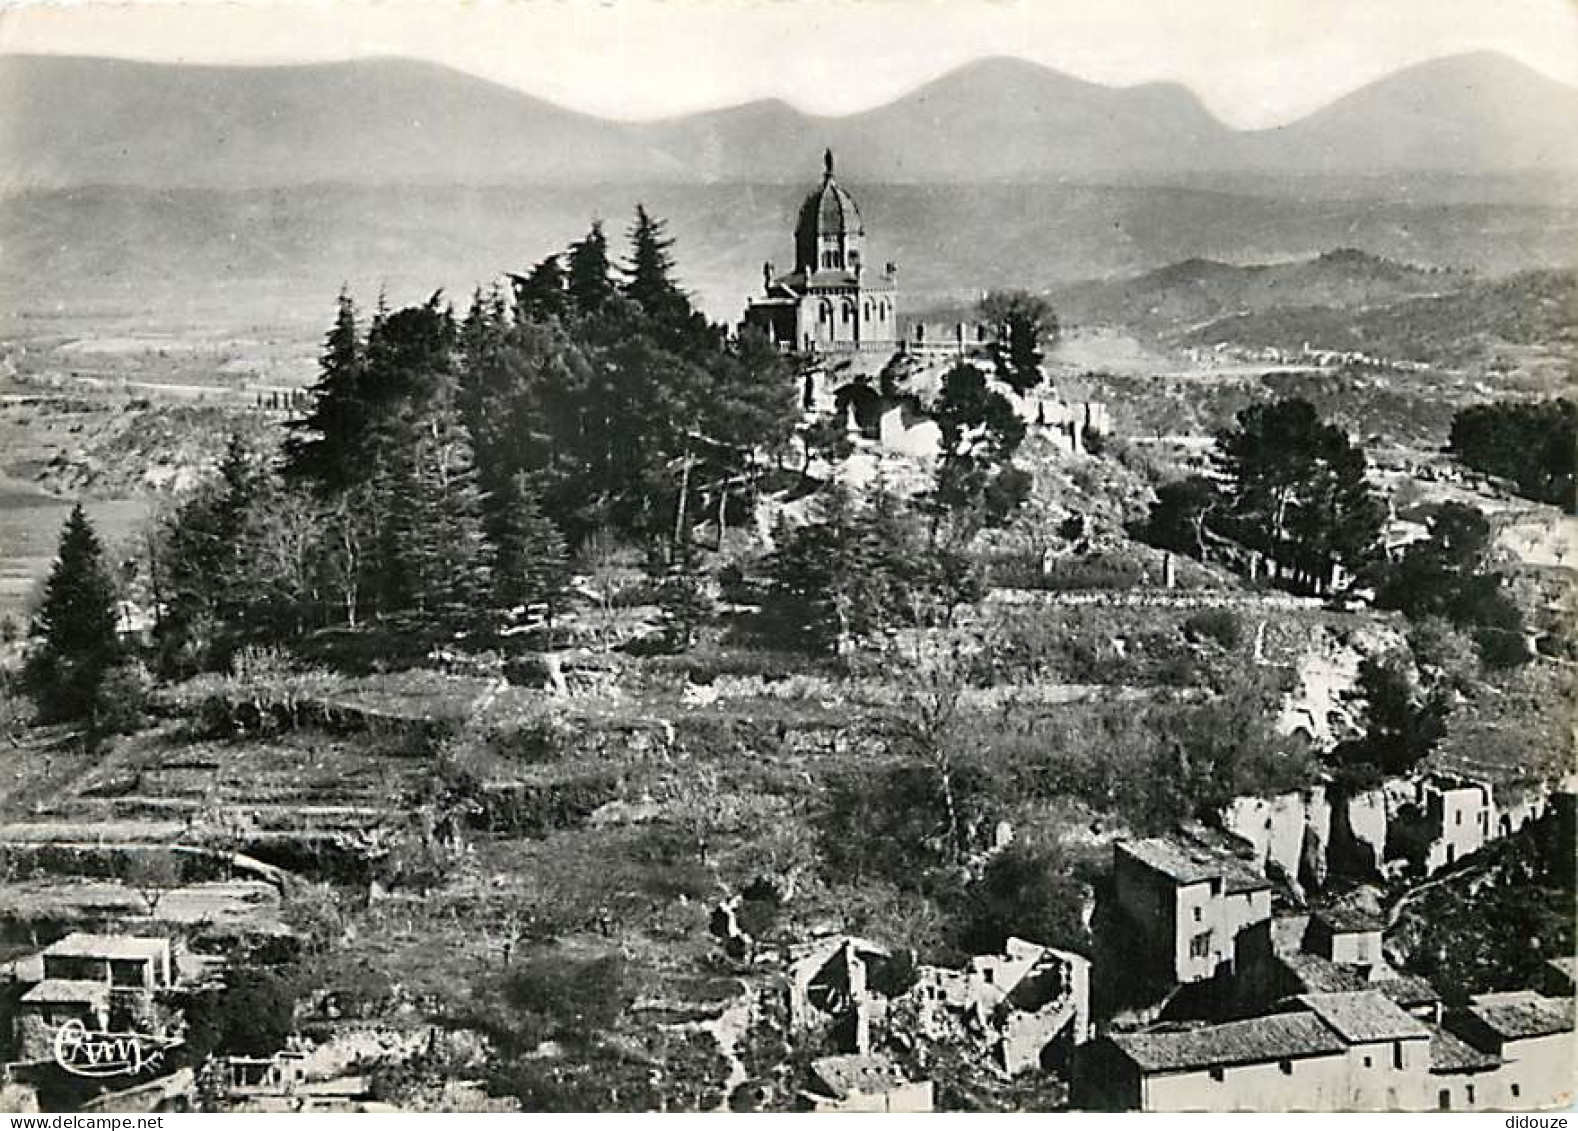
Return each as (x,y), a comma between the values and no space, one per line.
(74,627)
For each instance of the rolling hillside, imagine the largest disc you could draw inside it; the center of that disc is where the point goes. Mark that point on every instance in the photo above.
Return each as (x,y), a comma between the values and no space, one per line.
(262,256)
(1197,291)
(1532,310)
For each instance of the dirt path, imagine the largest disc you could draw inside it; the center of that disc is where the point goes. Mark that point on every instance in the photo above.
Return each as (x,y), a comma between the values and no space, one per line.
(729,1030)
(1395,911)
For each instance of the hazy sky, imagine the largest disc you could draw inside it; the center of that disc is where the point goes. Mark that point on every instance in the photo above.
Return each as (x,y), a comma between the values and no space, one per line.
(1254,62)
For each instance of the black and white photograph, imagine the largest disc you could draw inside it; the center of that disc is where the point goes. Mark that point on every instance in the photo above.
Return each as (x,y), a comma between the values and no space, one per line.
(734,556)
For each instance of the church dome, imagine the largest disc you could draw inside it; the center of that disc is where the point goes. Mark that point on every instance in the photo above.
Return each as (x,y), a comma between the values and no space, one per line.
(829,215)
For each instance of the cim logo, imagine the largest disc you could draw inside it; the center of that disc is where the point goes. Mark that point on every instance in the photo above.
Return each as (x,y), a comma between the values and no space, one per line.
(86,1052)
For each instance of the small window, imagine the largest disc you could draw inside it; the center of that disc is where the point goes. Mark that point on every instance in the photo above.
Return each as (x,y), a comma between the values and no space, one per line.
(1516,1091)
(1218,1074)
(1200,945)
(1459,816)
(1444,1099)
(1397,1054)
(1369,1062)
(1286,1066)
(1468,1093)
(1198,914)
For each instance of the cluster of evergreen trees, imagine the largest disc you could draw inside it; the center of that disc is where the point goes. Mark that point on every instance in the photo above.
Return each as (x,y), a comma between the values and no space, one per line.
(1534,444)
(1289,486)
(446,464)
(859,569)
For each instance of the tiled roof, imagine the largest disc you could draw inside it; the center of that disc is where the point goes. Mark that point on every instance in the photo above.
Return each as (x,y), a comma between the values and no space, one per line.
(82,945)
(1407,990)
(65,989)
(1193,864)
(1348,920)
(1278,1036)
(843,1076)
(1518,1016)
(1364,1015)
(1450,1053)
(1315,974)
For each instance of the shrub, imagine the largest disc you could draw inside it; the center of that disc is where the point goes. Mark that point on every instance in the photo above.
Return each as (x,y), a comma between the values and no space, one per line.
(251,1016)
(1222,626)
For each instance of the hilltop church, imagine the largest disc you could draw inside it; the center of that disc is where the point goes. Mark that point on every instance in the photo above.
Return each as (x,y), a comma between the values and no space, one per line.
(832,302)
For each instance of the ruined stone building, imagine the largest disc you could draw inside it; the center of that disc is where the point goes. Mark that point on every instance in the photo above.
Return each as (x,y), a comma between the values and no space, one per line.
(833,301)
(1028,1006)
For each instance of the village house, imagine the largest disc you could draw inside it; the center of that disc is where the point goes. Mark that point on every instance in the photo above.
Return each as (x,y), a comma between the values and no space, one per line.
(1533,1036)
(1198,911)
(1333,950)
(119,961)
(1460,815)
(1462,1077)
(1350,937)
(857,1083)
(52,1003)
(1388,1051)
(1278,1062)
(105,982)
(1355,1051)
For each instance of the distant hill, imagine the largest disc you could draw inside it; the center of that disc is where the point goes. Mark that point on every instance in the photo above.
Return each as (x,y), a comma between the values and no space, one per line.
(70,122)
(1470,112)
(260,255)
(1199,291)
(1530,310)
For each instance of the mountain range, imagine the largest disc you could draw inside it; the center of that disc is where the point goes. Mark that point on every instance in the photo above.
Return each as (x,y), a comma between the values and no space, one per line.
(73,121)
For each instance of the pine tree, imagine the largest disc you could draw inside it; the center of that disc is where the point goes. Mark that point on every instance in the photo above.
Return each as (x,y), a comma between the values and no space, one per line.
(328,445)
(648,274)
(75,628)
(590,284)
(205,575)
(540,294)
(532,564)
(441,565)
